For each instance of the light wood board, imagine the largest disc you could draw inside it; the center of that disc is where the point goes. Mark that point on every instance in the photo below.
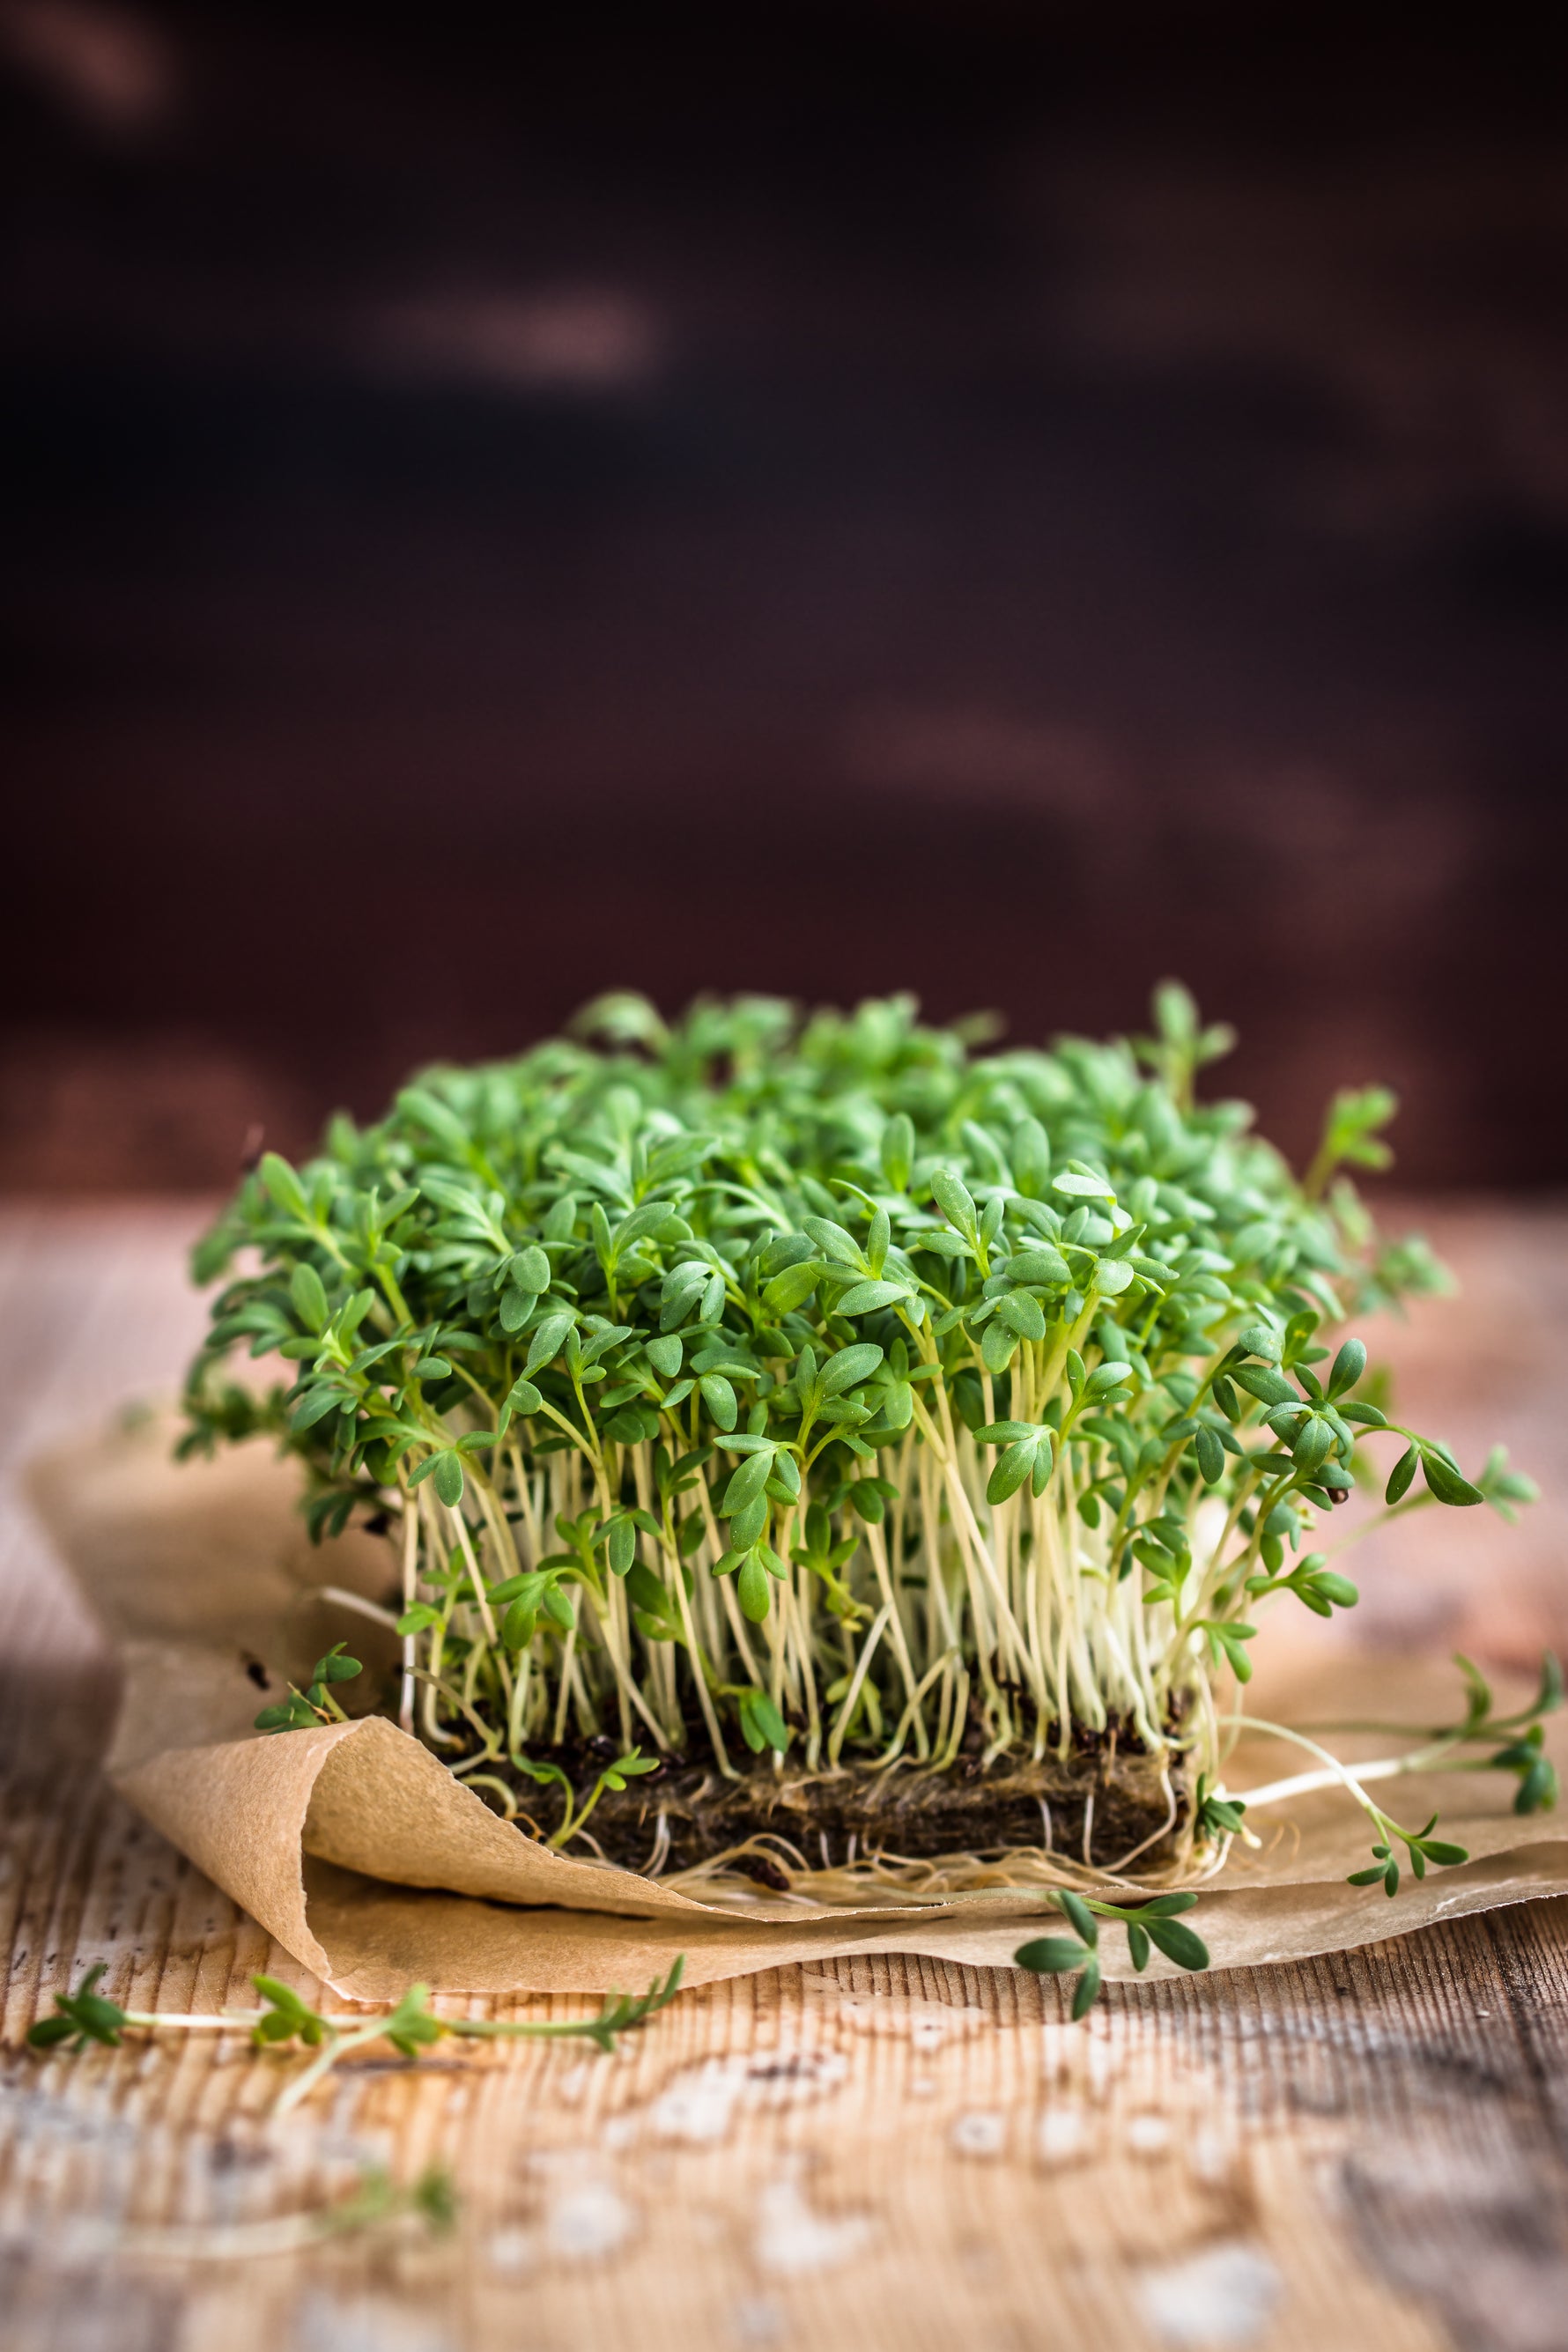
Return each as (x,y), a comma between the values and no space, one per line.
(1367,2150)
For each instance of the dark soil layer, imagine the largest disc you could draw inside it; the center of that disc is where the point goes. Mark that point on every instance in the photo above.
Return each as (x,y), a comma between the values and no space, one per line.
(909,1814)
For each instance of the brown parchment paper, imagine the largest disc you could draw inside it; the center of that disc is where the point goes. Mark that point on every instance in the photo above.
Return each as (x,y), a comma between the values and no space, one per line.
(355,1848)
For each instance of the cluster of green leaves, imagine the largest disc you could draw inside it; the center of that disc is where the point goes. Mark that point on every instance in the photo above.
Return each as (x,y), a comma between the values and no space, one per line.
(1420,1845)
(700,1297)
(613,1776)
(81,2017)
(315,1704)
(1154,1923)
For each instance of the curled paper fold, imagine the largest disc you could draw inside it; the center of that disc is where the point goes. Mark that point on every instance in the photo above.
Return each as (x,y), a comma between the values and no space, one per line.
(356,1849)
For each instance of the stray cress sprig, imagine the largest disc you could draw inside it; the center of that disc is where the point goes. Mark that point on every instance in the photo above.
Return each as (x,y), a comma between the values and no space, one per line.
(286,2020)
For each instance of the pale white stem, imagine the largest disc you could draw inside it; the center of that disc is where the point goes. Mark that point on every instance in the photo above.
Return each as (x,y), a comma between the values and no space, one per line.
(877,1549)
(410,1593)
(626,1690)
(433,1731)
(1302,1784)
(709,1716)
(910,1712)
(851,1697)
(1386,1768)
(476,1577)
(358,1603)
(564,1699)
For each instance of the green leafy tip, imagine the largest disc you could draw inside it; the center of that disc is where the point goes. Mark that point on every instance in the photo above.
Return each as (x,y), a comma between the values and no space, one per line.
(303,1710)
(1155,1923)
(79,2018)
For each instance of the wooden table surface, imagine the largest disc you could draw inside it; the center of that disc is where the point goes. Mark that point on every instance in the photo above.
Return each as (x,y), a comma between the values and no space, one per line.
(1370,2150)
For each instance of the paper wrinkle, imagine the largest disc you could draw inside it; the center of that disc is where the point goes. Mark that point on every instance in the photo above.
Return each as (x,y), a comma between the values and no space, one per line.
(358,1851)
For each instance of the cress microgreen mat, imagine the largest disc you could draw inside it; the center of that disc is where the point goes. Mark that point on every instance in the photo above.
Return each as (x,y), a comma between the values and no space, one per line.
(827,1387)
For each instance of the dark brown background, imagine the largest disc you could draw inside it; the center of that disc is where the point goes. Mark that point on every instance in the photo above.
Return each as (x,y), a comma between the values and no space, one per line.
(1001,501)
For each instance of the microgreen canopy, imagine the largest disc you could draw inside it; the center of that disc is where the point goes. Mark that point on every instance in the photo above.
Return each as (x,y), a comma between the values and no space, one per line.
(826,1385)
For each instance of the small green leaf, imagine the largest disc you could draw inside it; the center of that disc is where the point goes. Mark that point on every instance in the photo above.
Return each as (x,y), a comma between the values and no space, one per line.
(530,1270)
(747,1483)
(1023,1314)
(898,1150)
(1010,1472)
(1228,1642)
(50,2031)
(792,1289)
(309,1297)
(865,1295)
(1400,1476)
(752,1588)
(1538,1789)
(1042,1264)
(1446,1483)
(335,1667)
(1050,1955)
(1177,1942)
(761,1717)
(1444,1855)
(284,1186)
(954,1200)
(1087,1991)
(849,1367)
(720,1398)
(523,1398)
(1074,1909)
(547,1342)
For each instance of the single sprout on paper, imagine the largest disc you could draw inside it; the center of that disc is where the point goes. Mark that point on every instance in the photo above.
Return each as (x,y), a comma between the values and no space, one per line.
(286,2019)
(1155,1923)
(820,1450)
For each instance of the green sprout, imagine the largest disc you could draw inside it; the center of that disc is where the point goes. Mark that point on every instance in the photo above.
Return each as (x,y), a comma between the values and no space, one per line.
(1153,1924)
(1420,1845)
(285,2019)
(614,1776)
(314,1704)
(430,2198)
(768,1393)
(1445,1748)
